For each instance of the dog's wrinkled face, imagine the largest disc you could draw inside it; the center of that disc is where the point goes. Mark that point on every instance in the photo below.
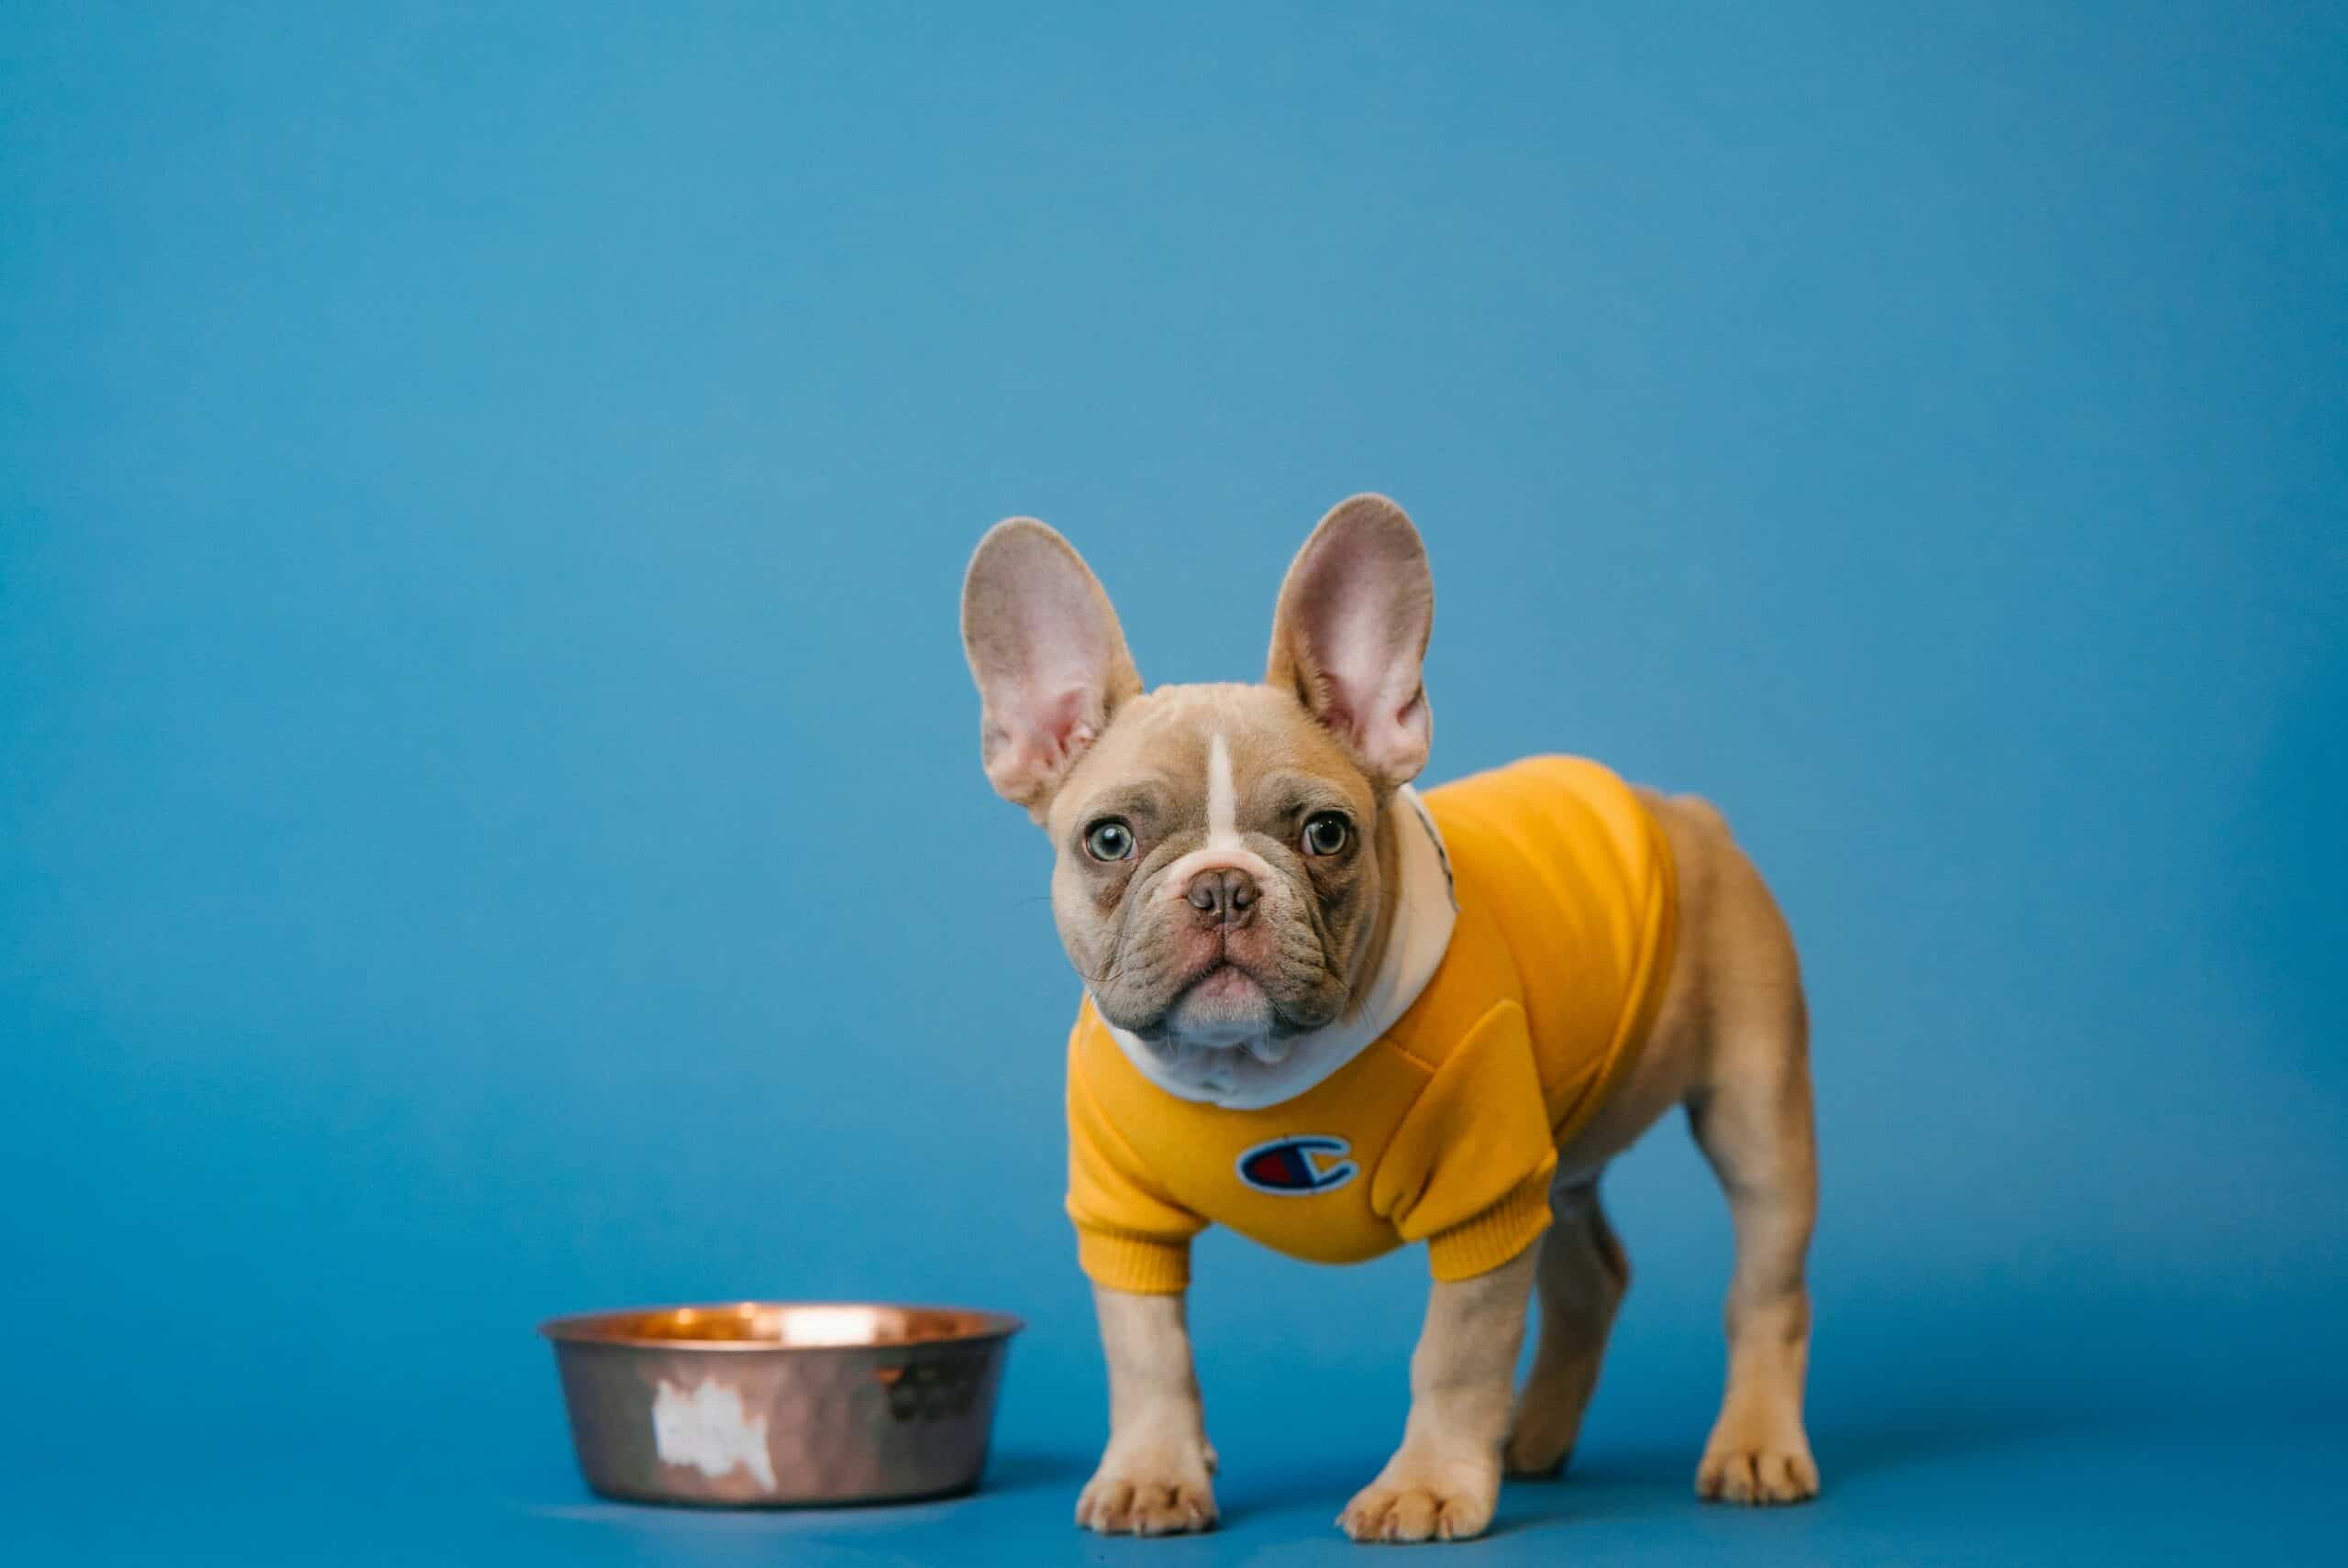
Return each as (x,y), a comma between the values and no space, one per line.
(1218,868)
(1224,851)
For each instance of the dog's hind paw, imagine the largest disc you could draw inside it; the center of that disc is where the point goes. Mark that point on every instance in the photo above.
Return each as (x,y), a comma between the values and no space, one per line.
(1541,1441)
(1740,1467)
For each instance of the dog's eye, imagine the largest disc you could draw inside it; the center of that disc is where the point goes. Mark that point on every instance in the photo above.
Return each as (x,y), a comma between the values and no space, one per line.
(1109,839)
(1327,833)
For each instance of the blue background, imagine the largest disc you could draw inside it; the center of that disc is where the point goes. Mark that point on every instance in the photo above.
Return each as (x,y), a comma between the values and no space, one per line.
(489,814)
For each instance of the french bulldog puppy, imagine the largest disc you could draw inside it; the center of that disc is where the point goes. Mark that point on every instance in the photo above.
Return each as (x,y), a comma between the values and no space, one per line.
(1340,1016)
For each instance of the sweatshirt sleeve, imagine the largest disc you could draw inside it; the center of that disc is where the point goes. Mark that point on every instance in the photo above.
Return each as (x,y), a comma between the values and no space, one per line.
(1129,1236)
(1469,1170)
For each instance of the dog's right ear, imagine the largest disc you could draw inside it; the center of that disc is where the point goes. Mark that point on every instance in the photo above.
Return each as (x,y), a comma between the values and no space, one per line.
(1047,653)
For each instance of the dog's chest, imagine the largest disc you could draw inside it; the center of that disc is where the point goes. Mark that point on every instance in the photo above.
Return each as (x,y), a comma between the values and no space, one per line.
(1297,1178)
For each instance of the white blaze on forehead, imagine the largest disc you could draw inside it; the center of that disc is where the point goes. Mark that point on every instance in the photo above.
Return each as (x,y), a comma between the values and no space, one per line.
(1224,846)
(1223,799)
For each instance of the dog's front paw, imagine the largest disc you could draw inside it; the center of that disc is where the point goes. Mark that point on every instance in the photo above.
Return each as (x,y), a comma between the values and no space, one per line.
(1421,1499)
(1159,1490)
(1755,1461)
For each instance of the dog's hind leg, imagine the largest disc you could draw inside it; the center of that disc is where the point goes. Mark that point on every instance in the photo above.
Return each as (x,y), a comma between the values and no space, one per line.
(1580,1280)
(1751,1116)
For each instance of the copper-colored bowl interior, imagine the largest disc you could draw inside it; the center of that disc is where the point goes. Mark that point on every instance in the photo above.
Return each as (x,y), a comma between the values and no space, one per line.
(768,1326)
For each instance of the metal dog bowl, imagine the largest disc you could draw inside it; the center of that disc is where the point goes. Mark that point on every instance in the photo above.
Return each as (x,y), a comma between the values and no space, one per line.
(760,1404)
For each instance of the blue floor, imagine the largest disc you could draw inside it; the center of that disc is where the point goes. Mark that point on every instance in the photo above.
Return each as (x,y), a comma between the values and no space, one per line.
(2181,1493)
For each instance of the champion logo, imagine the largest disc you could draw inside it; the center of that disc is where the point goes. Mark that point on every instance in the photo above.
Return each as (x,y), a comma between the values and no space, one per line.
(1297,1167)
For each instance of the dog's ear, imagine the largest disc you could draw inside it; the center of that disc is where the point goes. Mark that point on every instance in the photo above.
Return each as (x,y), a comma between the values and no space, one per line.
(1350,635)
(1047,653)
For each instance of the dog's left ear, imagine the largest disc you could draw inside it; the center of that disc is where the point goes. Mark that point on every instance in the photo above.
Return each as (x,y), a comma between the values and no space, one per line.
(1350,636)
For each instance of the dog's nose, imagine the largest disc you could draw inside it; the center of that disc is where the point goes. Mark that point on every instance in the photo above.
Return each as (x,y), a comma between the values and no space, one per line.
(1226,894)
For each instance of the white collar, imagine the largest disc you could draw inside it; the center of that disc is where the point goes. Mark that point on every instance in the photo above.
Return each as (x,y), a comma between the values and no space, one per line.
(1425,909)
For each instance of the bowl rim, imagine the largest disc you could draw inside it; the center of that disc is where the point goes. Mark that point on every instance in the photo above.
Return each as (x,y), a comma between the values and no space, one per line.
(600,1328)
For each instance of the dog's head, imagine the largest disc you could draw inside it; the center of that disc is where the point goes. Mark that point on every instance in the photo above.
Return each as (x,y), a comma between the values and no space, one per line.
(1225,851)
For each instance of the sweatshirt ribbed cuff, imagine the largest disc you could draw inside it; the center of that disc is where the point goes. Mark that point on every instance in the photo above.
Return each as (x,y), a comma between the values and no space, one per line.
(1132,1264)
(1494,1237)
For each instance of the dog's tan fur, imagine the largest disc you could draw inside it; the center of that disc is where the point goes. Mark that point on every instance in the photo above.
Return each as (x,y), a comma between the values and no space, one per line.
(1730,1044)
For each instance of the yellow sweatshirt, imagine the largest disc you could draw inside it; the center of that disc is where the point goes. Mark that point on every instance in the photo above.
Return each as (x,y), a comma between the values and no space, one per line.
(1445,1128)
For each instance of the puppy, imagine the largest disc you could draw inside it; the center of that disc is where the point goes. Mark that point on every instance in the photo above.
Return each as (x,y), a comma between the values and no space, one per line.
(1338,1016)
